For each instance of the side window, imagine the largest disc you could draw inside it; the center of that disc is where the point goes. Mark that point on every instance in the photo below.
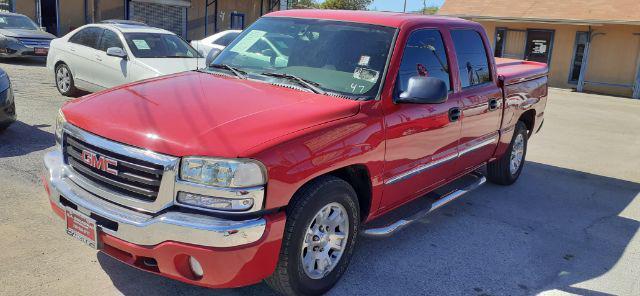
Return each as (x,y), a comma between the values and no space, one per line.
(424,55)
(110,39)
(473,62)
(87,37)
(226,39)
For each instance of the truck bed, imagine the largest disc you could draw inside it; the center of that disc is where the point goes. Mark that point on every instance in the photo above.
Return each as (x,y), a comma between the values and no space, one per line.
(513,71)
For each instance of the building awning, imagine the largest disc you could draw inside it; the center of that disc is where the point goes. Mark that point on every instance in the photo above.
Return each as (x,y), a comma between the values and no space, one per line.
(546,20)
(185,3)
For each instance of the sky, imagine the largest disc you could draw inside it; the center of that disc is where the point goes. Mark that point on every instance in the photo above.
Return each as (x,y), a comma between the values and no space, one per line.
(397,5)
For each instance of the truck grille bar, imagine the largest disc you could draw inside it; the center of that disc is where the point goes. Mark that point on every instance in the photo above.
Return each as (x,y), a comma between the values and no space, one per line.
(135,178)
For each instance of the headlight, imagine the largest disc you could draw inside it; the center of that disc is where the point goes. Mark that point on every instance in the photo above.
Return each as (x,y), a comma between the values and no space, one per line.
(231,173)
(60,120)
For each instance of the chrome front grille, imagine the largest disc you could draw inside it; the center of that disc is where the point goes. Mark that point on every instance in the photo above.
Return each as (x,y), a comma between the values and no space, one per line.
(35,42)
(133,177)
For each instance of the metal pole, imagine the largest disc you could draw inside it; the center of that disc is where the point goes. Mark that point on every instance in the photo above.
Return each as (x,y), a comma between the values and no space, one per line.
(636,84)
(405,6)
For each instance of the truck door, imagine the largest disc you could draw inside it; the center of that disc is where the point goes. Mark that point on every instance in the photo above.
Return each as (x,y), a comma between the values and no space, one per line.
(422,139)
(481,98)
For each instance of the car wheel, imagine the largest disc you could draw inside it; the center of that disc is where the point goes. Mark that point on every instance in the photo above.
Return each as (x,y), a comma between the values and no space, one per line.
(320,234)
(507,169)
(64,81)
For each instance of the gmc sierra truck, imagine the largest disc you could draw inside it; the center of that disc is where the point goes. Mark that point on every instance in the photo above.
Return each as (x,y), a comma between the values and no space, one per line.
(311,129)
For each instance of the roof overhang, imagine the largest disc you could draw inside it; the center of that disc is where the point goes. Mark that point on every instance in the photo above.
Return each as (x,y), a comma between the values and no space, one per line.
(576,22)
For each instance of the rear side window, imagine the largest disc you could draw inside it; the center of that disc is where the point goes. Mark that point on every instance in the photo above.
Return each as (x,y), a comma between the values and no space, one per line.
(87,37)
(424,55)
(226,39)
(110,39)
(473,62)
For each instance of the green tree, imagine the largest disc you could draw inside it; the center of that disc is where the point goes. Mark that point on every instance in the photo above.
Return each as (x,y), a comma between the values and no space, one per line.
(346,4)
(430,10)
(300,4)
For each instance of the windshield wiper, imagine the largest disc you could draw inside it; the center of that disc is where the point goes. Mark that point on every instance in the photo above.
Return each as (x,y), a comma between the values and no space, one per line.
(239,73)
(311,85)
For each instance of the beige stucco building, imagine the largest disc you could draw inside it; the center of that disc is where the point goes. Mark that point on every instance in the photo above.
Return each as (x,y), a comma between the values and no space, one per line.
(590,45)
(192,19)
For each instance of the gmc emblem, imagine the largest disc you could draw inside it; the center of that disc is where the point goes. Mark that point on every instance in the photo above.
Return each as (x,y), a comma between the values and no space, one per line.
(100,162)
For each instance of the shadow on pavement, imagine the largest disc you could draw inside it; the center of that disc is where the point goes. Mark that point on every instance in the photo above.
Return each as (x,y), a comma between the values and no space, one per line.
(21,139)
(30,62)
(554,228)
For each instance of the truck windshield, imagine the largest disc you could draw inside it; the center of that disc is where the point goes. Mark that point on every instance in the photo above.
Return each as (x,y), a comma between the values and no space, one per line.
(339,57)
(16,22)
(156,45)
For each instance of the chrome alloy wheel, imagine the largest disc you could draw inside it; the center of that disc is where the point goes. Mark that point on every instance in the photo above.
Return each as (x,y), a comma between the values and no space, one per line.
(63,79)
(517,154)
(325,241)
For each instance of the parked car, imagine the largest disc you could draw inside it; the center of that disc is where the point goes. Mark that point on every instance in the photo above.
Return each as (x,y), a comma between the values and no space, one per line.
(21,37)
(251,171)
(7,103)
(100,56)
(218,41)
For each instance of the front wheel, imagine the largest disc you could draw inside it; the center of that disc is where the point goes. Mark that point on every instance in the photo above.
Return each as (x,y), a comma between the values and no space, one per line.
(322,226)
(507,169)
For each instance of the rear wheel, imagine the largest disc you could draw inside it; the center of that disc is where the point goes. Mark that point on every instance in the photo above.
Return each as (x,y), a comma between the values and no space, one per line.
(64,81)
(322,226)
(507,169)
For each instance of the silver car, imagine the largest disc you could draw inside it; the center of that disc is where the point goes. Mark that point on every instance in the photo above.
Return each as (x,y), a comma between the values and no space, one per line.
(20,37)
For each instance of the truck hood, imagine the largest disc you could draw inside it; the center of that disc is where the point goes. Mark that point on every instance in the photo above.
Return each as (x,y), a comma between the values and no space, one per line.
(195,113)
(168,66)
(26,33)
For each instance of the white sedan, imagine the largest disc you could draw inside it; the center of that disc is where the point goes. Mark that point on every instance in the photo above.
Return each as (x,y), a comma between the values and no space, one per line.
(100,56)
(218,41)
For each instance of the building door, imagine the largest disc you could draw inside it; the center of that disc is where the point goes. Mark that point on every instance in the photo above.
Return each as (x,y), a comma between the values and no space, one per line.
(49,14)
(539,45)
(169,17)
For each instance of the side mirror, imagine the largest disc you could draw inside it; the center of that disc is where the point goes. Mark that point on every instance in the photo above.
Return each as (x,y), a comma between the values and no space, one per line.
(212,55)
(116,52)
(424,90)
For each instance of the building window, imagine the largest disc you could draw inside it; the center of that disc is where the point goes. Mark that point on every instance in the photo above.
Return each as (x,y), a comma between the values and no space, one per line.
(501,34)
(6,5)
(237,21)
(578,53)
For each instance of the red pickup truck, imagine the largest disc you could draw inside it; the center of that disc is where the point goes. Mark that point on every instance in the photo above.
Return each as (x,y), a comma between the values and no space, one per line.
(311,129)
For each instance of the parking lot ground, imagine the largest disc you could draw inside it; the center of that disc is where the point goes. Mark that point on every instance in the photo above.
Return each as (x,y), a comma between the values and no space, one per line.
(569,226)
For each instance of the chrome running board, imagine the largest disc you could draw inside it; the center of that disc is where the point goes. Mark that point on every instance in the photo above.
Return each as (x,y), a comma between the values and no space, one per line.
(440,202)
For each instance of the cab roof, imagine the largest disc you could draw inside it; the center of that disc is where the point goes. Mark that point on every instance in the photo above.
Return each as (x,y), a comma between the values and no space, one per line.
(388,19)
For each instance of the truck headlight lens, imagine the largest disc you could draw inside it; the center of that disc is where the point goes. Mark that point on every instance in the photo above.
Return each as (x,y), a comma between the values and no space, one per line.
(215,203)
(60,121)
(232,173)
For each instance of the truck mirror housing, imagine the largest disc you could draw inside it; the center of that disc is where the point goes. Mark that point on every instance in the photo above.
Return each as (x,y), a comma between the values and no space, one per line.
(424,90)
(116,52)
(212,55)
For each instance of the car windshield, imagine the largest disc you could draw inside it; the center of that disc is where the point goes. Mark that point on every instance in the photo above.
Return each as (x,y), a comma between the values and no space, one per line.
(158,45)
(16,22)
(339,57)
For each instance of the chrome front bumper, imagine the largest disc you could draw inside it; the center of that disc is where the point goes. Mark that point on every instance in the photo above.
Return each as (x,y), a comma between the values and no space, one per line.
(145,229)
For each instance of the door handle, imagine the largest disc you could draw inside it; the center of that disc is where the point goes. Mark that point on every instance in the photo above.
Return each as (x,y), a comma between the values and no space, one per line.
(98,58)
(454,114)
(493,104)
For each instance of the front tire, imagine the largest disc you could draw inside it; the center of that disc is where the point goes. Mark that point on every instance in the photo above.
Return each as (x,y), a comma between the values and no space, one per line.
(322,226)
(507,169)
(64,81)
